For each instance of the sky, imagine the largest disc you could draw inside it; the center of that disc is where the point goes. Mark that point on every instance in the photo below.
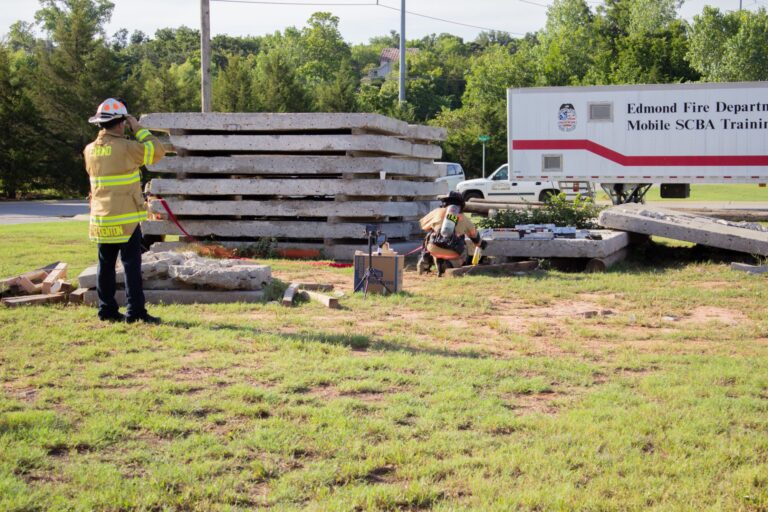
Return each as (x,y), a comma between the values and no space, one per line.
(357,23)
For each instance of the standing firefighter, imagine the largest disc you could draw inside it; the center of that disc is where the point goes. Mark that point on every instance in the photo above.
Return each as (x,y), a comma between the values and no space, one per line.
(117,206)
(446,227)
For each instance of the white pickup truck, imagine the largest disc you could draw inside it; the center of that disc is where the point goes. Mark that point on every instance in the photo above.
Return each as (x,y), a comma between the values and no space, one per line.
(499,187)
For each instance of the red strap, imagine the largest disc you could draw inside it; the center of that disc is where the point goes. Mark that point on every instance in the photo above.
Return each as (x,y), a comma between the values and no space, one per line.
(175,220)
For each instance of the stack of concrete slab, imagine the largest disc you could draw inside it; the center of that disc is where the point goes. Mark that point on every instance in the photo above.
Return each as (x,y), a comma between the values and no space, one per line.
(311,181)
(186,278)
(750,238)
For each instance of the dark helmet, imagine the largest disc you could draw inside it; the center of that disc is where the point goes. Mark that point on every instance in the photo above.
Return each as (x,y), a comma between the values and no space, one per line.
(453,198)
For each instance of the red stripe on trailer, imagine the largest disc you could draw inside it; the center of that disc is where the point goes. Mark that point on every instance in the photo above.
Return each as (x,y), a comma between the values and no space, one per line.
(641,161)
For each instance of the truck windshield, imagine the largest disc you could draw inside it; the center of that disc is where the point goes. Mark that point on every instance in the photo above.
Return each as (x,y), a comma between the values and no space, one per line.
(500,175)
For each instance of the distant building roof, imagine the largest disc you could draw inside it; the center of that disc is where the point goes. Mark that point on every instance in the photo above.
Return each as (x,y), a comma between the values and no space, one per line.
(393,54)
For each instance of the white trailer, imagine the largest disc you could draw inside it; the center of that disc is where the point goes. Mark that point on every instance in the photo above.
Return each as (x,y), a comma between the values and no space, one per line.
(628,138)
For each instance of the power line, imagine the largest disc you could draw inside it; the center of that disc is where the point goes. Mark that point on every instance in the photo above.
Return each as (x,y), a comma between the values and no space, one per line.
(321,4)
(377,4)
(448,21)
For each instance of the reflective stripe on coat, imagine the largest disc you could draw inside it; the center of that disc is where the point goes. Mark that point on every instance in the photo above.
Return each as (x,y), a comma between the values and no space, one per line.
(117,203)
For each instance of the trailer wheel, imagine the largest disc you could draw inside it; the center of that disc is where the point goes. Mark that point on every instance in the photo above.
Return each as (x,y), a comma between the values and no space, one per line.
(472,194)
(546,195)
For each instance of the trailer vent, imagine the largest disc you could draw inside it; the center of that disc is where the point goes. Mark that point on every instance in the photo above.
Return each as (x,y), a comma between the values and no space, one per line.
(551,163)
(601,111)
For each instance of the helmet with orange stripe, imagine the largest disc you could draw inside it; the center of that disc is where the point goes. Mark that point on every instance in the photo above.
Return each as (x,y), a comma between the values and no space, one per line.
(109,110)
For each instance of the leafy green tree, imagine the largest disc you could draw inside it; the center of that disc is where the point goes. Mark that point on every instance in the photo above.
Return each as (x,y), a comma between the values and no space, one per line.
(77,70)
(568,43)
(731,46)
(233,86)
(484,107)
(278,86)
(323,49)
(338,95)
(174,88)
(20,159)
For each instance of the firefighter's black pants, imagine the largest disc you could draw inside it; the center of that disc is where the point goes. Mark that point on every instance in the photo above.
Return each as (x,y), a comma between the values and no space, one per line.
(130,255)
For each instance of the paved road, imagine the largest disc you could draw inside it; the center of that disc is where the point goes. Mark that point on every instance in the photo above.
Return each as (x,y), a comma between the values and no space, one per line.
(23,212)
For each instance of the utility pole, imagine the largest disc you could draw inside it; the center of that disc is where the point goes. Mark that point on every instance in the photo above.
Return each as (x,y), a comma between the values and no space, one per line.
(402,51)
(205,55)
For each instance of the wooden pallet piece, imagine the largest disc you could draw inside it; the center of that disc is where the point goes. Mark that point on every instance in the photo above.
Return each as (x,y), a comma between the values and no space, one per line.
(29,300)
(28,286)
(277,122)
(500,269)
(298,165)
(76,297)
(33,276)
(59,272)
(298,187)
(316,287)
(325,300)
(290,294)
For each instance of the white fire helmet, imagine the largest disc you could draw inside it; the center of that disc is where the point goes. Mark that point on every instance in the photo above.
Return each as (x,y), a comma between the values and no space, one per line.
(109,110)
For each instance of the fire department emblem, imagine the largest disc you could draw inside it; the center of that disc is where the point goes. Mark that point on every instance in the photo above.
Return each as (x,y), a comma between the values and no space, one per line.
(566,118)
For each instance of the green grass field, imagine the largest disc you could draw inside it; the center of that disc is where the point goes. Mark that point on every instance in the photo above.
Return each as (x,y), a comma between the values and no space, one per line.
(751,193)
(473,394)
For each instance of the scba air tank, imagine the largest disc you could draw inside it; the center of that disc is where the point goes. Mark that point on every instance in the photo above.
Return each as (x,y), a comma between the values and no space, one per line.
(449,221)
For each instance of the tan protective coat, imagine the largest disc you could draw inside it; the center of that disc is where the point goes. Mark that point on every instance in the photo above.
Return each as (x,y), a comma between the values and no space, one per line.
(117,203)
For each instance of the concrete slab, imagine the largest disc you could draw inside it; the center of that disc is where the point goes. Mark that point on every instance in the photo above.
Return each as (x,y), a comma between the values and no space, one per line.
(183,297)
(294,209)
(297,164)
(306,144)
(650,220)
(341,252)
(297,187)
(278,229)
(612,242)
(276,122)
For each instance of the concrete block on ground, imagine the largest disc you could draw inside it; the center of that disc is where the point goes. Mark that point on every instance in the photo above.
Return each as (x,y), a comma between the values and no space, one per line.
(293,209)
(234,277)
(639,218)
(184,296)
(297,165)
(276,122)
(187,270)
(297,187)
(277,229)
(612,242)
(306,144)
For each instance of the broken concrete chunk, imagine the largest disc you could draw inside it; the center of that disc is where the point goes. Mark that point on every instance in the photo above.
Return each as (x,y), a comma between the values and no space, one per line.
(162,270)
(222,277)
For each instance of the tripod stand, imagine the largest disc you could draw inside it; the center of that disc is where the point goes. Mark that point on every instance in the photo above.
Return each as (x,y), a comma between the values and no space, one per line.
(371,274)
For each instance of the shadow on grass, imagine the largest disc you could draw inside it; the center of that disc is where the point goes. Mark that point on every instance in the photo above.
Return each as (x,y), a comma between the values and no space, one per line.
(356,342)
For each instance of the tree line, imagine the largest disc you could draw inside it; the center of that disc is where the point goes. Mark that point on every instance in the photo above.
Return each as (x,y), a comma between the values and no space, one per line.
(56,69)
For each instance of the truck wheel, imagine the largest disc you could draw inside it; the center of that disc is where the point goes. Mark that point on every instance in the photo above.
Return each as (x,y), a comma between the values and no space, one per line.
(472,194)
(546,195)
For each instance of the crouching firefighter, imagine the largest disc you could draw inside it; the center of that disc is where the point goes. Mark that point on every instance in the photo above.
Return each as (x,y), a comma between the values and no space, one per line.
(446,228)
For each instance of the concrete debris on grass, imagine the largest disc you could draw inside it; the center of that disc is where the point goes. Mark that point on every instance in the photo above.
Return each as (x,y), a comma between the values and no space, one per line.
(185,277)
